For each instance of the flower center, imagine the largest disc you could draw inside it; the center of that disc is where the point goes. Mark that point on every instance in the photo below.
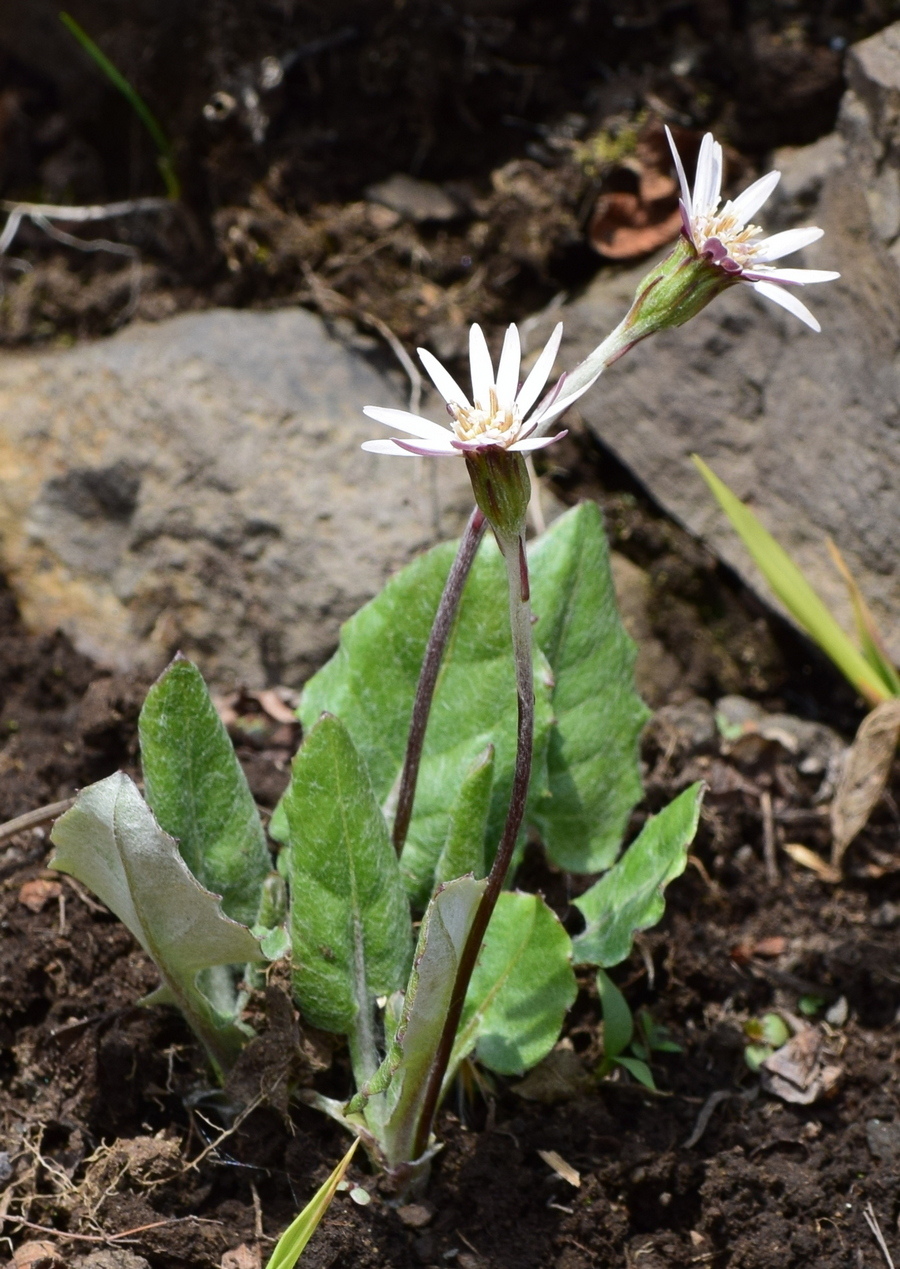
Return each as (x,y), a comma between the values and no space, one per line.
(725,241)
(493,426)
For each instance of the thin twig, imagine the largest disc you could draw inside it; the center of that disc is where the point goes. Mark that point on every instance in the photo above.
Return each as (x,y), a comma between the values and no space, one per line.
(872,1221)
(325,296)
(34,819)
(80,215)
(227,1132)
(706,1111)
(768,824)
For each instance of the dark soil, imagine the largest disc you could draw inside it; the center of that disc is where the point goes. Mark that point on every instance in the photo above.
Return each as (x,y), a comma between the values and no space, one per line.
(103,1105)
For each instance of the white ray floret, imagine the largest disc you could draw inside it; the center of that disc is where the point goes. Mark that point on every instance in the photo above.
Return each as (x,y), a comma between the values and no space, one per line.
(500,413)
(725,236)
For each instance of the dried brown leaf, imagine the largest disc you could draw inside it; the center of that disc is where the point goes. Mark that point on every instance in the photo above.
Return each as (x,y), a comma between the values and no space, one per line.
(802,1070)
(864,776)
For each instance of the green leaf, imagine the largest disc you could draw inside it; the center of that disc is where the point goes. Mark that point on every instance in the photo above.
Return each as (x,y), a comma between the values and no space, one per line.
(350,926)
(794,591)
(292,1242)
(370,685)
(464,848)
(197,790)
(594,769)
(521,989)
(630,896)
(640,1070)
(618,1023)
(110,841)
(392,1100)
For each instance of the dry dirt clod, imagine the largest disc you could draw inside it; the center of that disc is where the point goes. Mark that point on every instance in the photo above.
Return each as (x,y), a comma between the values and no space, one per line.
(35,895)
(38,1254)
(415,1215)
(242,1257)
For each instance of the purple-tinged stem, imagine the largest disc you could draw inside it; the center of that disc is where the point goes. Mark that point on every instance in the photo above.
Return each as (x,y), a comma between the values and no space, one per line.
(520,620)
(431,665)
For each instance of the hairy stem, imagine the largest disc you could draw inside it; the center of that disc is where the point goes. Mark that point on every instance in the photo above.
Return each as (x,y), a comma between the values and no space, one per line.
(513,549)
(431,664)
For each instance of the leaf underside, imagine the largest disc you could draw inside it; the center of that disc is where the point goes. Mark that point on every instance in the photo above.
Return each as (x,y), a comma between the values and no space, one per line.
(110,841)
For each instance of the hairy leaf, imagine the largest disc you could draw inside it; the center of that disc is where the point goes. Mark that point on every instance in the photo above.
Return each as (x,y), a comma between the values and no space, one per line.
(630,896)
(110,841)
(393,1098)
(350,926)
(464,848)
(794,591)
(370,685)
(520,991)
(594,771)
(198,792)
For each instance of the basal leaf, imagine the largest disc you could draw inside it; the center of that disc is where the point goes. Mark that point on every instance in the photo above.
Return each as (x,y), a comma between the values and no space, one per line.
(110,841)
(520,991)
(370,685)
(464,848)
(198,792)
(350,926)
(794,591)
(594,772)
(630,896)
(393,1100)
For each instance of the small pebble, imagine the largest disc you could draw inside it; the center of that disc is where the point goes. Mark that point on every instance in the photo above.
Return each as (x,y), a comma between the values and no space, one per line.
(415,1215)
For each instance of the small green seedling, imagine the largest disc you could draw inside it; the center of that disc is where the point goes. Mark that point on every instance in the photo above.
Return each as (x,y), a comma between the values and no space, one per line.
(292,1242)
(766,1034)
(618,1035)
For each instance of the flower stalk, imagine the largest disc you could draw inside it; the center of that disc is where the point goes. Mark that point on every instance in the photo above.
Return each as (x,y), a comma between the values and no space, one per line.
(512,546)
(431,665)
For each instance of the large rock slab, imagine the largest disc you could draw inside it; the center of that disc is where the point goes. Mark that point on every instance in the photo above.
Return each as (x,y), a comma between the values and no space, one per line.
(805,427)
(198,484)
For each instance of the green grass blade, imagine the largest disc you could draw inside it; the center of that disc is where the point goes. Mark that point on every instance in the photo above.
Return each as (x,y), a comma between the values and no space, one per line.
(290,1245)
(794,591)
(134,99)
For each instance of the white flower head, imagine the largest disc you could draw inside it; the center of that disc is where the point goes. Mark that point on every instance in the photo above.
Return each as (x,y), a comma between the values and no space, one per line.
(499,414)
(725,236)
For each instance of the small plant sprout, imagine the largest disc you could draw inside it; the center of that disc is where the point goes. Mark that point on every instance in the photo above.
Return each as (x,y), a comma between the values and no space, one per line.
(447,726)
(164,154)
(292,1242)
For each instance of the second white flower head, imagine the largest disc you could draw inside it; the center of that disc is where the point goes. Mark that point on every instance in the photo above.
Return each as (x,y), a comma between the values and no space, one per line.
(500,414)
(725,236)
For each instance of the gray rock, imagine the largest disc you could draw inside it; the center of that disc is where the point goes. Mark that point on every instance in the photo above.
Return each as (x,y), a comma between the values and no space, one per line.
(198,484)
(804,426)
(414,199)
